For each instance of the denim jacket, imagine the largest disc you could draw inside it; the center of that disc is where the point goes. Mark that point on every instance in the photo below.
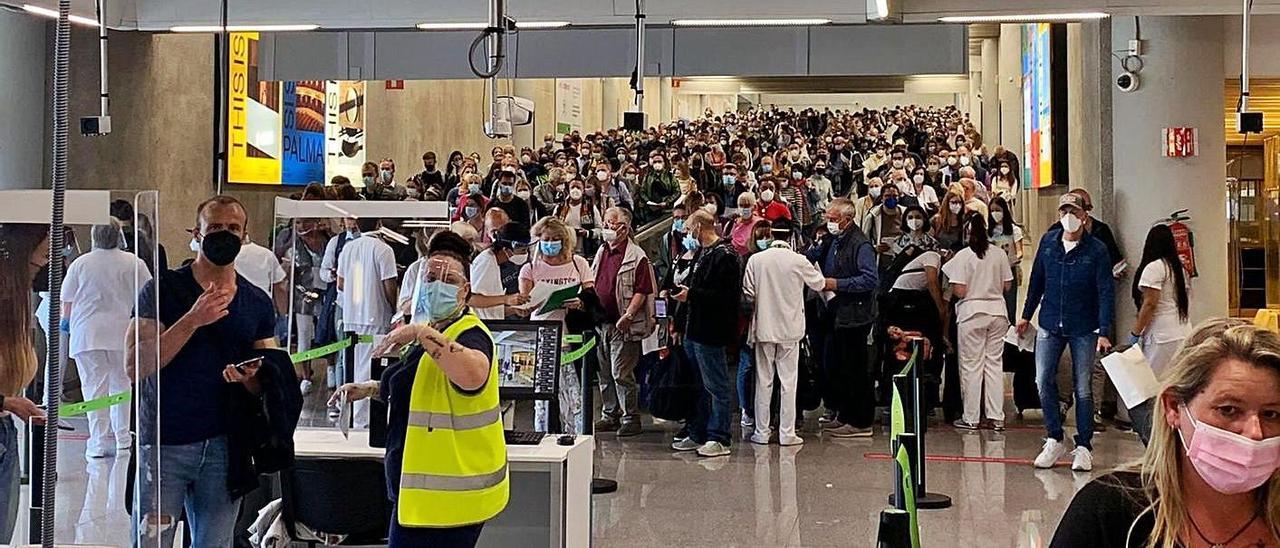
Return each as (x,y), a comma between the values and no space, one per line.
(1074,290)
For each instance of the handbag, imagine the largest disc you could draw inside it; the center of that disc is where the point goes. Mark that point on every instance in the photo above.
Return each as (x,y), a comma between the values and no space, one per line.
(674,386)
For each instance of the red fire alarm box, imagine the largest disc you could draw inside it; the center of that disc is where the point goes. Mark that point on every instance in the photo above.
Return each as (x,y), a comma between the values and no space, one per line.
(1180,142)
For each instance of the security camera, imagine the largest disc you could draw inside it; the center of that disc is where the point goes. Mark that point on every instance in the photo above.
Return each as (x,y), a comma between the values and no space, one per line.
(1127,81)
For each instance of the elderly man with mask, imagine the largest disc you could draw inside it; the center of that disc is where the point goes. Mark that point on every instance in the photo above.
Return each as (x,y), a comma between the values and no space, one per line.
(97,299)
(625,285)
(848,261)
(1071,285)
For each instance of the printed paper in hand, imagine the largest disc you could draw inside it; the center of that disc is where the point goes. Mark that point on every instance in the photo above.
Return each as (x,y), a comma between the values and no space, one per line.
(1026,342)
(1132,376)
(344,415)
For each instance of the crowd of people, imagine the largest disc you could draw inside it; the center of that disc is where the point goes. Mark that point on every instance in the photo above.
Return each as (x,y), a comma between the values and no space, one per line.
(795,236)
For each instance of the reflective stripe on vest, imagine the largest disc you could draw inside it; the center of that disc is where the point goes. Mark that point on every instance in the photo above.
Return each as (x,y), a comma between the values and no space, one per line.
(447,421)
(453,483)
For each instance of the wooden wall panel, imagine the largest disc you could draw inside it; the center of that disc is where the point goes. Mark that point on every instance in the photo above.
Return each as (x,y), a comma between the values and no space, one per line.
(1264,96)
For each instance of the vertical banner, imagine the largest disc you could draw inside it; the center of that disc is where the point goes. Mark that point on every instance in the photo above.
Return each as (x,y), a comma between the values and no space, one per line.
(568,105)
(303,120)
(253,133)
(1037,100)
(344,130)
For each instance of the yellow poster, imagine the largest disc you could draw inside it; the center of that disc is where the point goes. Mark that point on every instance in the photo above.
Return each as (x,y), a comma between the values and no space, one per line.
(254,120)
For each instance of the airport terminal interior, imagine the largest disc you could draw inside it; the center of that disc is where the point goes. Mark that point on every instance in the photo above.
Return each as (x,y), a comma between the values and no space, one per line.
(640,273)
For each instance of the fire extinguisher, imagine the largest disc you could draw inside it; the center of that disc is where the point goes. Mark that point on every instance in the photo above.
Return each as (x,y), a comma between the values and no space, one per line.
(1183,239)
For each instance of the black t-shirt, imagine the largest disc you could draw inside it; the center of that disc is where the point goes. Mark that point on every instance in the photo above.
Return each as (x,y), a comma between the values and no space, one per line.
(1104,513)
(192,392)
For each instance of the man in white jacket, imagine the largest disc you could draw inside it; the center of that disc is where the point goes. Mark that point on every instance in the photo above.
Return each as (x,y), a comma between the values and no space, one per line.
(774,282)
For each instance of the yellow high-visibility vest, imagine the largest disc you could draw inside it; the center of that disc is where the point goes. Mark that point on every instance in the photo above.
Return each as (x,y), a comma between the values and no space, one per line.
(455,454)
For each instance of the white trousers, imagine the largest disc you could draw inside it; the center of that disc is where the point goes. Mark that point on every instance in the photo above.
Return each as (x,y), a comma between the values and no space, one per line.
(783,359)
(306,331)
(363,369)
(102,374)
(981,369)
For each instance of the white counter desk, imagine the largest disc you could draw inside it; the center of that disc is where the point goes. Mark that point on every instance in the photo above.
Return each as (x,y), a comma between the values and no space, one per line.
(550,486)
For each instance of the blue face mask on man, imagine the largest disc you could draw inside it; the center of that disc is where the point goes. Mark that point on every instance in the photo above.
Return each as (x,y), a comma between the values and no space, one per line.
(891,203)
(677,225)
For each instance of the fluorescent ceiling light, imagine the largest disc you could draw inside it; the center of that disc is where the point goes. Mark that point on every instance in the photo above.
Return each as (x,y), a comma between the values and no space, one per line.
(881,10)
(749,22)
(244,28)
(46,12)
(481,26)
(1029,18)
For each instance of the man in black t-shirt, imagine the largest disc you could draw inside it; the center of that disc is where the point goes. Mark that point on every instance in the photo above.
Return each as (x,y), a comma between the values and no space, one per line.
(505,199)
(430,180)
(207,318)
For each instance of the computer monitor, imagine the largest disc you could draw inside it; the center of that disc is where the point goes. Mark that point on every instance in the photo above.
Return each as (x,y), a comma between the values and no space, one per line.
(528,354)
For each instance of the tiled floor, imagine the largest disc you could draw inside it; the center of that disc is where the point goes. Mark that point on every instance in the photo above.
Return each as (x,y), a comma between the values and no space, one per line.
(825,493)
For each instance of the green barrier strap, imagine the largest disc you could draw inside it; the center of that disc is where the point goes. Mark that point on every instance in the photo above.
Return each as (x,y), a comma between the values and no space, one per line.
(573,339)
(75,409)
(575,355)
(320,352)
(364,339)
(906,369)
(897,416)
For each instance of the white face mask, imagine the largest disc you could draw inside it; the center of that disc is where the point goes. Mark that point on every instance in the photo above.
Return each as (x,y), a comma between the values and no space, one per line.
(195,244)
(709,208)
(520,259)
(609,235)
(602,175)
(834,228)
(997,216)
(1004,170)
(951,160)
(875,191)
(918,179)
(915,224)
(657,166)
(955,208)
(964,160)
(767,196)
(897,164)
(575,193)
(523,194)
(1071,223)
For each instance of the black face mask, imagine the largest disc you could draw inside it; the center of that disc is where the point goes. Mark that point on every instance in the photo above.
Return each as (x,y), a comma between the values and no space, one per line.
(221,247)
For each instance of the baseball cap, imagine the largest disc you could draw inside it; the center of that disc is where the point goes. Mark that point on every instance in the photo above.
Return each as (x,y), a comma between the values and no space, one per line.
(1072,200)
(512,235)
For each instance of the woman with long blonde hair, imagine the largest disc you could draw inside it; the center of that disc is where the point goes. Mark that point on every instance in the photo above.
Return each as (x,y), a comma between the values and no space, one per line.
(1208,477)
(24,250)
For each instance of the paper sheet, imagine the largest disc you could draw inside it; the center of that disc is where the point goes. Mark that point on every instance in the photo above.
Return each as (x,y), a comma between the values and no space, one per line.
(1025,343)
(538,296)
(344,415)
(1132,376)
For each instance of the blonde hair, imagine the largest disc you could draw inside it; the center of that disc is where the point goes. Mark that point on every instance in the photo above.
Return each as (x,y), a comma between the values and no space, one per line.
(1209,345)
(561,231)
(18,242)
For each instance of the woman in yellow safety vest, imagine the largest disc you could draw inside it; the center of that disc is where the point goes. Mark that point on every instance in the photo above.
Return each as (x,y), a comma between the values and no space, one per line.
(446,455)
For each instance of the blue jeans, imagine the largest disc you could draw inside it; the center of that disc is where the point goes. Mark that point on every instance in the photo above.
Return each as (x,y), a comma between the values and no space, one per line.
(9,453)
(711,418)
(192,477)
(746,378)
(422,537)
(1049,347)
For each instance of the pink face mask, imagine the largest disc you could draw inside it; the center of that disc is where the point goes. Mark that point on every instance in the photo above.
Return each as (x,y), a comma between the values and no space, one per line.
(1230,463)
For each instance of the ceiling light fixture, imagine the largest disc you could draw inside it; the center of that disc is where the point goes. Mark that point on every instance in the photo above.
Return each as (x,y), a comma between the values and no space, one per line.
(46,12)
(881,10)
(481,26)
(749,22)
(245,28)
(1029,18)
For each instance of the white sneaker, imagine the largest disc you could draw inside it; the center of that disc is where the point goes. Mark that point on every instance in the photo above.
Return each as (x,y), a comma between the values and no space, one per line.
(685,444)
(791,441)
(305,387)
(759,439)
(713,449)
(1053,450)
(1083,460)
(747,421)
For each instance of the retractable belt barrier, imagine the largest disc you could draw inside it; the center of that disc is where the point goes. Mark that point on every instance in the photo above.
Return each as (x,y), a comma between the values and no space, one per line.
(106,402)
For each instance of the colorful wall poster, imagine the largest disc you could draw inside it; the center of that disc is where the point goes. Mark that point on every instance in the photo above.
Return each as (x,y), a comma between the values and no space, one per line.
(253,132)
(1037,85)
(303,114)
(344,125)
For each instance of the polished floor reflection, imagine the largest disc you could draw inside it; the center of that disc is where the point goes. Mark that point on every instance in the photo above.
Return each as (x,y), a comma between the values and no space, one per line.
(829,492)
(824,493)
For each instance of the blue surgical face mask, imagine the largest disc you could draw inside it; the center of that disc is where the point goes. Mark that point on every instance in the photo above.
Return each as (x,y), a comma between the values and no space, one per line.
(473,188)
(691,243)
(470,211)
(506,190)
(764,244)
(550,248)
(437,300)
(729,180)
(677,225)
(368,180)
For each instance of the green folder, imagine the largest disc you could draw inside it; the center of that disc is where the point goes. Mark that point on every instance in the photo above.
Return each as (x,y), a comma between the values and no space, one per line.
(557,298)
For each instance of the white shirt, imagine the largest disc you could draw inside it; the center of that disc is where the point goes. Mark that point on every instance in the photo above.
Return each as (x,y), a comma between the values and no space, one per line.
(775,280)
(330,261)
(927,197)
(984,280)
(1068,245)
(100,286)
(917,281)
(409,283)
(365,263)
(486,280)
(260,266)
(1165,325)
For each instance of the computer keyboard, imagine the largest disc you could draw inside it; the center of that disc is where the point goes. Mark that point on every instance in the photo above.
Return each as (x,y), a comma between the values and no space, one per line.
(519,437)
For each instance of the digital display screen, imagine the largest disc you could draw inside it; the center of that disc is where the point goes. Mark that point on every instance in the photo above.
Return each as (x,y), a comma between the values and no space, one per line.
(1037,103)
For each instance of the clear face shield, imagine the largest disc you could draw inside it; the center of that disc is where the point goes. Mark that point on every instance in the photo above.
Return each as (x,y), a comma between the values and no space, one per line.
(437,292)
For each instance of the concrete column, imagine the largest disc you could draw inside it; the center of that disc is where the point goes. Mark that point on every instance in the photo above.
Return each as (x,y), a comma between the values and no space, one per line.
(1148,186)
(610,101)
(973,105)
(22,75)
(666,101)
(990,92)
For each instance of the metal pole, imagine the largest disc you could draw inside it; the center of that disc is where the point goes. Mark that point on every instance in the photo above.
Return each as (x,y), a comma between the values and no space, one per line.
(1244,58)
(495,42)
(640,54)
(102,60)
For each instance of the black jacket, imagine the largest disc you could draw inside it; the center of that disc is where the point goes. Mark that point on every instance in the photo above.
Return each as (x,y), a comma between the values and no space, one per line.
(715,287)
(261,436)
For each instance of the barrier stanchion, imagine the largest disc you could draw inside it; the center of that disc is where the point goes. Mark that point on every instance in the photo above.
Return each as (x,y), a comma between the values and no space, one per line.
(584,357)
(908,403)
(895,529)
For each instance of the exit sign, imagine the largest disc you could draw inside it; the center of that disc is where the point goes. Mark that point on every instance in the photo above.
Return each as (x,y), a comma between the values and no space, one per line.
(1179,142)
(395,84)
